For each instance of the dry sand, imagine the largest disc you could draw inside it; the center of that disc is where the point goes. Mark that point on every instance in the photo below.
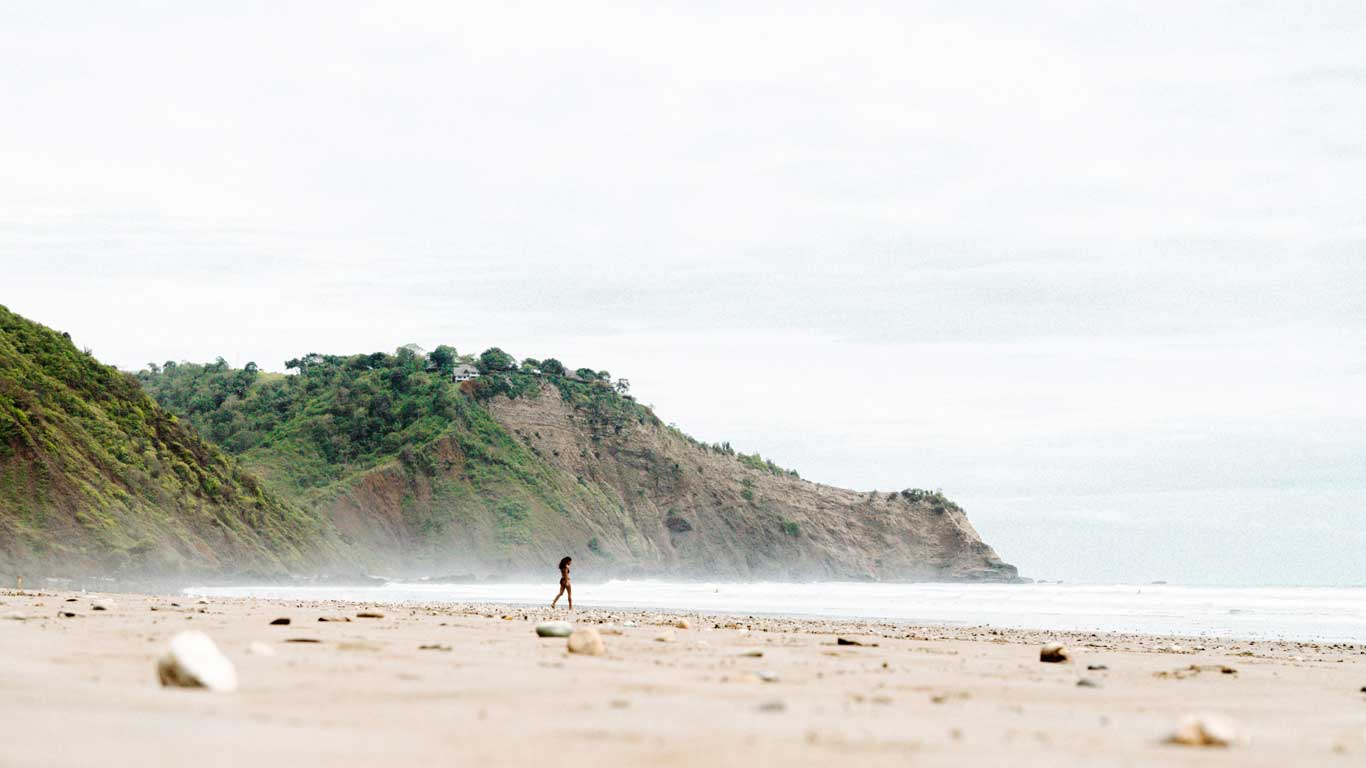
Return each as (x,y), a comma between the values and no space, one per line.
(82,691)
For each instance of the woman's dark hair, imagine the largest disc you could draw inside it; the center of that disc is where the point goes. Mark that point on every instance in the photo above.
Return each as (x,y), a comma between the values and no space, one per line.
(565,561)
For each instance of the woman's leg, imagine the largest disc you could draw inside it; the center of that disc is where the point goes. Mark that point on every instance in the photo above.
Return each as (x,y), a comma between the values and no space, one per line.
(557,597)
(569,592)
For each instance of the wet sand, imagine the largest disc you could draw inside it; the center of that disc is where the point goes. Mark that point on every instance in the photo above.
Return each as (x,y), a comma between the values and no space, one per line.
(83,690)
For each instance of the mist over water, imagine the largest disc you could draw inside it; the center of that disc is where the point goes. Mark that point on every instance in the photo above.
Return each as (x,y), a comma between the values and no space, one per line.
(1332,614)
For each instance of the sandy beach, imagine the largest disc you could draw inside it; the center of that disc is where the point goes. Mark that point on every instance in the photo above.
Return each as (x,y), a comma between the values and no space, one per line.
(445,684)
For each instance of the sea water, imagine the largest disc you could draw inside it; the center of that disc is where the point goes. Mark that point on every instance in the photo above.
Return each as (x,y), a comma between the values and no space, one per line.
(1329,614)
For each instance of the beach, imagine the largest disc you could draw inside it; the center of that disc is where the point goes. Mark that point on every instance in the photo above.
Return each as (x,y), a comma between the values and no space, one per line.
(451,684)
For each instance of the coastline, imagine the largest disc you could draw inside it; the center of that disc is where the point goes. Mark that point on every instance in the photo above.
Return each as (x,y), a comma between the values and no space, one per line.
(82,690)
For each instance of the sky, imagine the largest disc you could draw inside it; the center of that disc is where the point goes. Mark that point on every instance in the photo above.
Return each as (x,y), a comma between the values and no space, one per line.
(1097,270)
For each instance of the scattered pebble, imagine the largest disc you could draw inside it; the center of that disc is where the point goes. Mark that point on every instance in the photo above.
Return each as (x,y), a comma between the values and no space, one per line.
(1096,667)
(369,615)
(434,647)
(752,654)
(302,640)
(554,629)
(102,605)
(193,661)
(776,705)
(66,614)
(1087,682)
(1207,729)
(585,640)
(682,624)
(280,622)
(1054,653)
(334,618)
(847,641)
(202,601)
(664,638)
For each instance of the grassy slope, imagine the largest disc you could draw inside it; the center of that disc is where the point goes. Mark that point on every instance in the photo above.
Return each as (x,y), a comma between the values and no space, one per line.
(384,421)
(95,476)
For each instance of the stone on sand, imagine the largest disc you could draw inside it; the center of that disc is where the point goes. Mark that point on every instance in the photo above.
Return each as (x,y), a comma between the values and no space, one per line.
(258,648)
(1054,653)
(554,629)
(682,624)
(586,640)
(369,615)
(194,661)
(280,622)
(1208,729)
(102,605)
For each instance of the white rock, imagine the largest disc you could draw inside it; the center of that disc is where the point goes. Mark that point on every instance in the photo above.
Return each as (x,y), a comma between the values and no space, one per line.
(586,640)
(193,661)
(260,649)
(554,629)
(1207,729)
(682,624)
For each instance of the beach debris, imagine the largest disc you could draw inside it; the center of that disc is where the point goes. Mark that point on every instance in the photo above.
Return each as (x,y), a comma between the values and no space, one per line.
(369,615)
(1054,653)
(664,637)
(847,641)
(434,647)
(302,640)
(752,654)
(1208,729)
(66,614)
(774,706)
(1195,669)
(1096,667)
(682,624)
(71,599)
(257,648)
(1087,682)
(554,629)
(280,622)
(193,661)
(628,623)
(102,605)
(585,640)
(334,618)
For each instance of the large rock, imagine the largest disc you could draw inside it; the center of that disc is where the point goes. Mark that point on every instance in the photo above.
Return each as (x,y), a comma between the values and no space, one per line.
(193,661)
(586,640)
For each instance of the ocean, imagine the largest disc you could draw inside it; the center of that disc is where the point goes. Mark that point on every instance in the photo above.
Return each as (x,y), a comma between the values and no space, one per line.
(1326,614)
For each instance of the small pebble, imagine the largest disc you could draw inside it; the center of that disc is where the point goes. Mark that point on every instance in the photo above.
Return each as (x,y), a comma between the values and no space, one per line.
(1054,653)
(369,615)
(102,605)
(280,622)
(554,629)
(1207,729)
(257,648)
(776,705)
(585,640)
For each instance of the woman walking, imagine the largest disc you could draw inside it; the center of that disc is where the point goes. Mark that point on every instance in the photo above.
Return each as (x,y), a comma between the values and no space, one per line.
(565,589)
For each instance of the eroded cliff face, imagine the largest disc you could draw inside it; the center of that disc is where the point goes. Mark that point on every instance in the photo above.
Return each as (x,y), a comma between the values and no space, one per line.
(635,498)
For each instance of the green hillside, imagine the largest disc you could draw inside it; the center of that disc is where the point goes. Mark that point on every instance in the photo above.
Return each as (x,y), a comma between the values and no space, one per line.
(96,477)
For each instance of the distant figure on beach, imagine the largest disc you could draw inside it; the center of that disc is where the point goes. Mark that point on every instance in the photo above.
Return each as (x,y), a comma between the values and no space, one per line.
(565,589)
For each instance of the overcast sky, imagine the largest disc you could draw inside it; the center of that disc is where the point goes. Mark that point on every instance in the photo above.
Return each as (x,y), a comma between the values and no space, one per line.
(1096,270)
